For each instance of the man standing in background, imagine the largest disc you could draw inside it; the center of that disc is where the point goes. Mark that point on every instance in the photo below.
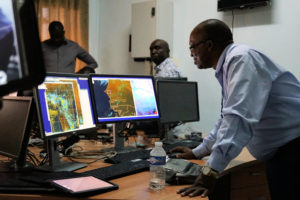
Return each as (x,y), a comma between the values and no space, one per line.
(60,53)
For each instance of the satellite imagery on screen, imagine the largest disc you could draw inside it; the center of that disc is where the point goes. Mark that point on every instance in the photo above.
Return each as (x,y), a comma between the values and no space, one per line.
(64,106)
(123,98)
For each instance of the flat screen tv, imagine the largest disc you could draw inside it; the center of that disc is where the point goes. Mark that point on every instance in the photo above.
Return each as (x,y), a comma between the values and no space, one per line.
(15,117)
(64,108)
(124,98)
(178,101)
(65,105)
(224,5)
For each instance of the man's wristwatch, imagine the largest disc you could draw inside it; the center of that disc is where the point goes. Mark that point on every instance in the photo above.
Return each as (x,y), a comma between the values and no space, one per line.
(208,171)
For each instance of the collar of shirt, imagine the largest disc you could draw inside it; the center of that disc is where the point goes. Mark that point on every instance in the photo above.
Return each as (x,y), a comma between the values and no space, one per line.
(221,60)
(161,65)
(49,42)
(219,68)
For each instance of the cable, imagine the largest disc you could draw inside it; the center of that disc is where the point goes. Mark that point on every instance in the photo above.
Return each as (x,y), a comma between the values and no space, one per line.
(128,130)
(91,154)
(78,152)
(65,144)
(34,160)
(45,160)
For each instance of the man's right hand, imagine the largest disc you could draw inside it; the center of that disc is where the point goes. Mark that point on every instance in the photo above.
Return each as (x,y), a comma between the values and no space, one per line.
(183,152)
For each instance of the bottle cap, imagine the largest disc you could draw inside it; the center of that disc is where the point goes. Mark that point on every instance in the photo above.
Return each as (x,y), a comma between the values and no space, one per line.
(158,144)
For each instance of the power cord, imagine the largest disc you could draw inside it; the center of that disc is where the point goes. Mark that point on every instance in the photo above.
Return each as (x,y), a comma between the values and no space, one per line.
(32,158)
(128,130)
(63,145)
(90,154)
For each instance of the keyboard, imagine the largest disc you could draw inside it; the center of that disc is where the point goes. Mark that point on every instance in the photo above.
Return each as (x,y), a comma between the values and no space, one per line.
(186,143)
(119,170)
(128,156)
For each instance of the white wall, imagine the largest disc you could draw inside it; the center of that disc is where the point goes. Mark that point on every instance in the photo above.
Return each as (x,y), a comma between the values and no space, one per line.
(109,27)
(274,30)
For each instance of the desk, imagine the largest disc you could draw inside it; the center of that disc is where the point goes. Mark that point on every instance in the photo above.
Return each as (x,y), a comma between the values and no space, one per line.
(133,187)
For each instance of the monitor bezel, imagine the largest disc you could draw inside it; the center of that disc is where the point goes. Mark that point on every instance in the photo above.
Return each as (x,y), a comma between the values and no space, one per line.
(224,5)
(29,45)
(21,157)
(171,79)
(179,82)
(39,112)
(124,76)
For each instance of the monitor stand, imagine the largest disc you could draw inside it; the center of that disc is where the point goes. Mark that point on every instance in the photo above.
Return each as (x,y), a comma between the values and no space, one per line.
(119,141)
(55,163)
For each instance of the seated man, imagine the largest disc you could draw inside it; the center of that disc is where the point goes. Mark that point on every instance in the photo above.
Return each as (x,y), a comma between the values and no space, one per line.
(160,55)
(165,67)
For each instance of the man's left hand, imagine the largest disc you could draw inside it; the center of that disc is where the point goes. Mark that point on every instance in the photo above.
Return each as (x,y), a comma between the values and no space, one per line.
(203,185)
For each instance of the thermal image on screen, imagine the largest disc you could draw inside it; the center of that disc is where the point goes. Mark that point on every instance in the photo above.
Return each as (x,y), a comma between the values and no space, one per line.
(124,98)
(121,97)
(65,104)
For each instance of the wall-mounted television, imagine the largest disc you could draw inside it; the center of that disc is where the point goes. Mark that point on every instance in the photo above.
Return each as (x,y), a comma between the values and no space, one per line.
(224,5)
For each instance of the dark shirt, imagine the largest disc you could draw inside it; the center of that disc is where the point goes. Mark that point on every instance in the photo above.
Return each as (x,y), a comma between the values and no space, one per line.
(62,58)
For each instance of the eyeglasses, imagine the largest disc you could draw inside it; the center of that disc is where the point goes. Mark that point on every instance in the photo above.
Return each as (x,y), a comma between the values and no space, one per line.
(197,44)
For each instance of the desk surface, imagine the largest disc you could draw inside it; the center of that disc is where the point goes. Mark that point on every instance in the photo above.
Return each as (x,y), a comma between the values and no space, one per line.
(130,187)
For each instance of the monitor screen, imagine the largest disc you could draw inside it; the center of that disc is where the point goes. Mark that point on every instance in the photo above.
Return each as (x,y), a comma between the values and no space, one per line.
(21,60)
(178,101)
(15,129)
(65,105)
(124,98)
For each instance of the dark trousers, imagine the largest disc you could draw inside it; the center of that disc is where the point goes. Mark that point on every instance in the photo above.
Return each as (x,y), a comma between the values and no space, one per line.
(283,172)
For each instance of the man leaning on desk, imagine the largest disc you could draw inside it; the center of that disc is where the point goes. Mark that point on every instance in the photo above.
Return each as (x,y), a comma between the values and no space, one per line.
(60,53)
(260,110)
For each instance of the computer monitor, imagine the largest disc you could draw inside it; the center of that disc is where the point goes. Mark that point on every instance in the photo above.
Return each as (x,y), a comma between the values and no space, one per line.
(157,79)
(21,59)
(124,98)
(64,106)
(15,117)
(178,101)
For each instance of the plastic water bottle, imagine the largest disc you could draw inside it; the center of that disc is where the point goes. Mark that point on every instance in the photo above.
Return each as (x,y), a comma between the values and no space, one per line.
(157,170)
